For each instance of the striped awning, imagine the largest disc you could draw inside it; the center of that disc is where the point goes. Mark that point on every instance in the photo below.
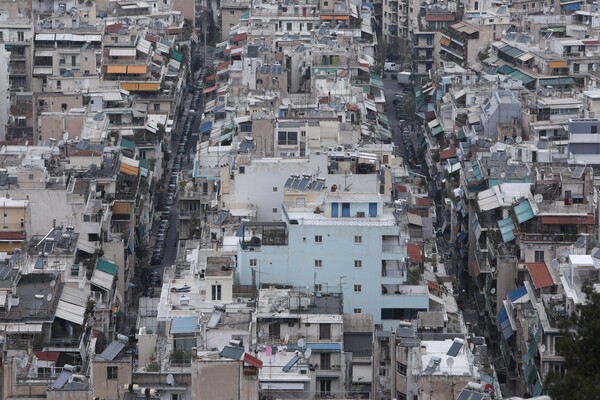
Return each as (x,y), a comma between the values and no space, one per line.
(557,64)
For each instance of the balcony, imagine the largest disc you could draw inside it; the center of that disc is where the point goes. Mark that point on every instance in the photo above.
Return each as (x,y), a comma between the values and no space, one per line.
(559,207)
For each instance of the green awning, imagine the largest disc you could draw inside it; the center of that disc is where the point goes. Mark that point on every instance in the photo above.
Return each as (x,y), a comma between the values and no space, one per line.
(384,134)
(477,171)
(245,15)
(177,56)
(376,81)
(127,144)
(521,76)
(505,70)
(523,211)
(436,130)
(510,51)
(530,373)
(507,229)
(566,81)
(106,266)
(383,118)
(549,82)
(461,134)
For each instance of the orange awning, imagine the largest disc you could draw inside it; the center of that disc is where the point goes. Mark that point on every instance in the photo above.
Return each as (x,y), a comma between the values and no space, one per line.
(129,86)
(137,69)
(209,89)
(326,17)
(116,69)
(342,18)
(128,169)
(444,41)
(558,64)
(149,87)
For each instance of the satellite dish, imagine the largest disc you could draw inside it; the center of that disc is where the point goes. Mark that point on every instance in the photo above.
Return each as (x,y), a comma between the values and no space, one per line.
(543,348)
(472,346)
(519,140)
(503,174)
(493,291)
(49,297)
(538,198)
(52,283)
(170,379)
(307,353)
(286,338)
(450,361)
(70,378)
(554,263)
(27,143)
(65,135)
(301,342)
(595,67)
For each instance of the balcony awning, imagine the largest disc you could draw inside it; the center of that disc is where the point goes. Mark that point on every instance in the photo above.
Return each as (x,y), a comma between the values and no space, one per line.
(523,211)
(436,130)
(42,71)
(137,69)
(326,17)
(116,69)
(521,76)
(557,64)
(525,57)
(122,52)
(86,245)
(444,41)
(104,274)
(505,70)
(507,229)
(205,127)
(572,7)
(71,306)
(208,89)
(129,166)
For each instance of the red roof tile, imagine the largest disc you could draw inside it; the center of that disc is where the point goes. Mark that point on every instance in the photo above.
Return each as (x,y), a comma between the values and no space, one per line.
(540,275)
(569,220)
(86,153)
(422,202)
(401,189)
(448,152)
(238,37)
(255,362)
(114,28)
(439,17)
(175,31)
(413,251)
(151,38)
(47,355)
(222,66)
(8,236)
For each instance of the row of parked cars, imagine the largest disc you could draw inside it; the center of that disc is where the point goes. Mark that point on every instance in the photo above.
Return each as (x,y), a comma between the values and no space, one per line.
(163,229)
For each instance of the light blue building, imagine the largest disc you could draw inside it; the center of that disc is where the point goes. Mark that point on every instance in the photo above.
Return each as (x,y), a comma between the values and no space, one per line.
(331,241)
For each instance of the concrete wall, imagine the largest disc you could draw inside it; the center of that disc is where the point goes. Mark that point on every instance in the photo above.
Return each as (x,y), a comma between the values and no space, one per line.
(187,8)
(229,18)
(54,125)
(110,389)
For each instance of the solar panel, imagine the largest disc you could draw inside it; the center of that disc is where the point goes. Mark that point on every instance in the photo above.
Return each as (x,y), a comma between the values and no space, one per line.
(39,263)
(464,395)
(4,271)
(113,349)
(291,363)
(454,349)
(232,352)
(495,156)
(303,183)
(477,396)
(61,380)
(289,182)
(580,243)
(214,319)
(296,183)
(578,173)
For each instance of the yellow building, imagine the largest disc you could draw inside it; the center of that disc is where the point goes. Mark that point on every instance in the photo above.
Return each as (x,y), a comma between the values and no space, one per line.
(14,221)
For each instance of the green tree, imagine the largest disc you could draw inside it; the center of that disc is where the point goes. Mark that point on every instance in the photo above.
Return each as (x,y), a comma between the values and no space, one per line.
(580,348)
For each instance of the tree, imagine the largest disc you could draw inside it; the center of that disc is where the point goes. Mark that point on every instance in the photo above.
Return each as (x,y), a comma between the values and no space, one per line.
(580,348)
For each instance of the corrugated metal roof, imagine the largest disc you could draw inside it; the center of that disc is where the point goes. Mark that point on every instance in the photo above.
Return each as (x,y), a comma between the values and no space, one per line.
(540,275)
(182,325)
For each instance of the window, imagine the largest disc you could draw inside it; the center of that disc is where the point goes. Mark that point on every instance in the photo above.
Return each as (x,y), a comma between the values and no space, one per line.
(358,311)
(253,262)
(289,26)
(594,129)
(400,396)
(357,288)
(30,177)
(325,331)
(308,26)
(539,256)
(318,287)
(274,188)
(20,36)
(357,263)
(285,138)
(382,371)
(401,368)
(216,292)
(358,239)
(324,386)
(318,263)
(112,373)
(575,68)
(58,84)
(275,211)
(325,361)
(318,239)
(231,12)
(274,330)
(156,106)
(176,396)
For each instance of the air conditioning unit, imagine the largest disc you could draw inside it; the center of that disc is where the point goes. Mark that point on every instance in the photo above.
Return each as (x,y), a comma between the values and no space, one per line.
(360,214)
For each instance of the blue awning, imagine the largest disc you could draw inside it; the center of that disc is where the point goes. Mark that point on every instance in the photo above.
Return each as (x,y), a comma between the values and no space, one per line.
(523,211)
(219,108)
(507,229)
(572,7)
(507,330)
(206,127)
(516,294)
(319,347)
(462,236)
